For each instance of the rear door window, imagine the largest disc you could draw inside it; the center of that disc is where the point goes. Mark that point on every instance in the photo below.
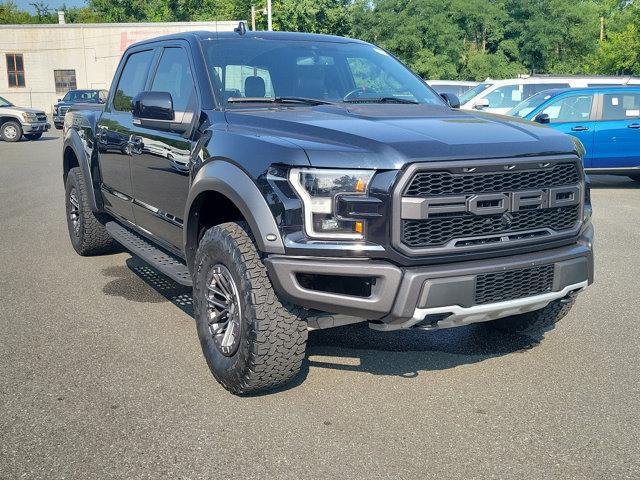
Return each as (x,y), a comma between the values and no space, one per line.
(621,106)
(132,80)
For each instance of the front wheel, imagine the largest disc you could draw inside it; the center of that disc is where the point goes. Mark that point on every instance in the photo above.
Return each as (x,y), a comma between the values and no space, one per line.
(538,320)
(11,131)
(33,136)
(87,233)
(250,338)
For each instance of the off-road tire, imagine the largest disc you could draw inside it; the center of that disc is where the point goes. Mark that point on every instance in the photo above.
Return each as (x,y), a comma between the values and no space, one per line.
(273,333)
(536,321)
(91,237)
(33,136)
(5,129)
(635,178)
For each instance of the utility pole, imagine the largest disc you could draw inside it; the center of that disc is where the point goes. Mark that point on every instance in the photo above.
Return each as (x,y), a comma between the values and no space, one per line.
(601,29)
(253,18)
(269,24)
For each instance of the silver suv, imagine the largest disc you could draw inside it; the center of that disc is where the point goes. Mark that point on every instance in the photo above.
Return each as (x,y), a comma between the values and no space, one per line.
(18,121)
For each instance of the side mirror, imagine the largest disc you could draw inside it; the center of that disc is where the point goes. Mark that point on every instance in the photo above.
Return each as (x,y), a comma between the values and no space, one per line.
(481,103)
(153,106)
(59,99)
(451,99)
(542,118)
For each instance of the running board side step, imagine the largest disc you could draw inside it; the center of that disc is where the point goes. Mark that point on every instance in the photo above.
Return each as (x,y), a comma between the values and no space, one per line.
(164,262)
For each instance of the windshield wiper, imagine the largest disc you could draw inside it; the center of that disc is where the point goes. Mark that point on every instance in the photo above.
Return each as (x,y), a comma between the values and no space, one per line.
(381,100)
(301,100)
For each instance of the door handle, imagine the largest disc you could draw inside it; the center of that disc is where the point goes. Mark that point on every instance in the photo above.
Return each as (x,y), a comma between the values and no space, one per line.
(634,125)
(579,128)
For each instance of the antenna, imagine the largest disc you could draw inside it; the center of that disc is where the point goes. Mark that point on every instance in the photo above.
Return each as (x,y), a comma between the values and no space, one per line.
(241,29)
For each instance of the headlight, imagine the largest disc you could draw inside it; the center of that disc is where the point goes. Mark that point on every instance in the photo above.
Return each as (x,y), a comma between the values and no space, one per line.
(319,189)
(30,117)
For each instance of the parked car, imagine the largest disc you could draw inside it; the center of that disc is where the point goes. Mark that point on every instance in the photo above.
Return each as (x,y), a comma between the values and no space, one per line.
(456,87)
(606,120)
(299,180)
(18,121)
(500,96)
(74,97)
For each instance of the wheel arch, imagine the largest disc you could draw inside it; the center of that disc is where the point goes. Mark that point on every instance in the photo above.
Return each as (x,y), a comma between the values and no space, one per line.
(74,156)
(236,198)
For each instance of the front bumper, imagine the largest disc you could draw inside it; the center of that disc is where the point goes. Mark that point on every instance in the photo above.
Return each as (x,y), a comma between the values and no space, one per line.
(403,297)
(36,127)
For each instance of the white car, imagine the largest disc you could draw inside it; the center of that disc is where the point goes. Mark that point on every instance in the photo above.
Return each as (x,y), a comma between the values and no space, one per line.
(500,96)
(457,87)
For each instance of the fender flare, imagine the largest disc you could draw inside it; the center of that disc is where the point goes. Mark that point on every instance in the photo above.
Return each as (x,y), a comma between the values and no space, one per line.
(229,180)
(72,140)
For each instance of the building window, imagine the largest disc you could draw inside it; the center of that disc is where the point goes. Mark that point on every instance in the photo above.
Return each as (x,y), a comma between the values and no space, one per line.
(15,69)
(65,80)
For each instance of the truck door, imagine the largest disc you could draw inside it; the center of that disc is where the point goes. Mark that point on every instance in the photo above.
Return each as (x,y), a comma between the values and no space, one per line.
(113,133)
(160,165)
(617,136)
(574,114)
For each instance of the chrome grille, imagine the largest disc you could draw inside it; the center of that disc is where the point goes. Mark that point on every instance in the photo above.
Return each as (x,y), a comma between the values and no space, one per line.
(41,117)
(513,284)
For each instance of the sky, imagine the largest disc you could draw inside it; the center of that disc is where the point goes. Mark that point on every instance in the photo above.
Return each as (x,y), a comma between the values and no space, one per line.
(24,4)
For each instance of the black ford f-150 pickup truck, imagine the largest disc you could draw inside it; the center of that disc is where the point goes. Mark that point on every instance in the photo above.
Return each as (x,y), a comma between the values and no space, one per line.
(299,180)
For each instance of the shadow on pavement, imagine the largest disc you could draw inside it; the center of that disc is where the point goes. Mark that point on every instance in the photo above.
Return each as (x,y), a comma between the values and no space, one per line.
(612,182)
(406,353)
(127,286)
(356,348)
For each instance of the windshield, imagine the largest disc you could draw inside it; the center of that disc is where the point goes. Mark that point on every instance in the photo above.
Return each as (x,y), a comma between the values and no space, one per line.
(529,105)
(472,92)
(84,96)
(5,103)
(259,69)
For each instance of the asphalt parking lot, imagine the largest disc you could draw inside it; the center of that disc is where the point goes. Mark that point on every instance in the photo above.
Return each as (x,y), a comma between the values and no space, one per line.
(102,374)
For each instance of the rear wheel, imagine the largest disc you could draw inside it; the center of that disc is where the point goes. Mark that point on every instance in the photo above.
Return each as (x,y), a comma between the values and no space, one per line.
(33,136)
(534,321)
(11,131)
(87,233)
(250,338)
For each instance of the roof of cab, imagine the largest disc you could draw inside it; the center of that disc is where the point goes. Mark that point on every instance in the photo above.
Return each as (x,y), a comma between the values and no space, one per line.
(263,35)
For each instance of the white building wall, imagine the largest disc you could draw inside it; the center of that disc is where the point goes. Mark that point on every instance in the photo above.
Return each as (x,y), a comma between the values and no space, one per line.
(92,50)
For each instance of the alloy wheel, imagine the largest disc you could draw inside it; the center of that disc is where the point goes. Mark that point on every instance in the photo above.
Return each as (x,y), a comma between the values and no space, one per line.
(224,310)
(74,211)
(10,132)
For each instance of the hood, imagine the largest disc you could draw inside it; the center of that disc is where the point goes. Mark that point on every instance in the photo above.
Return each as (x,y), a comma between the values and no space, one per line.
(15,109)
(387,136)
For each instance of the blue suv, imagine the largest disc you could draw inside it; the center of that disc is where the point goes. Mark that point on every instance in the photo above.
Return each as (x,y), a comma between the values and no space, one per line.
(605,119)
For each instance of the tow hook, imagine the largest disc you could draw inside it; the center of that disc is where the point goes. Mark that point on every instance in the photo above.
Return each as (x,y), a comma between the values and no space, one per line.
(569,297)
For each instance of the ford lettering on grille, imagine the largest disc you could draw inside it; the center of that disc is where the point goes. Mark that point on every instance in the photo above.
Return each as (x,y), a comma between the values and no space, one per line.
(490,203)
